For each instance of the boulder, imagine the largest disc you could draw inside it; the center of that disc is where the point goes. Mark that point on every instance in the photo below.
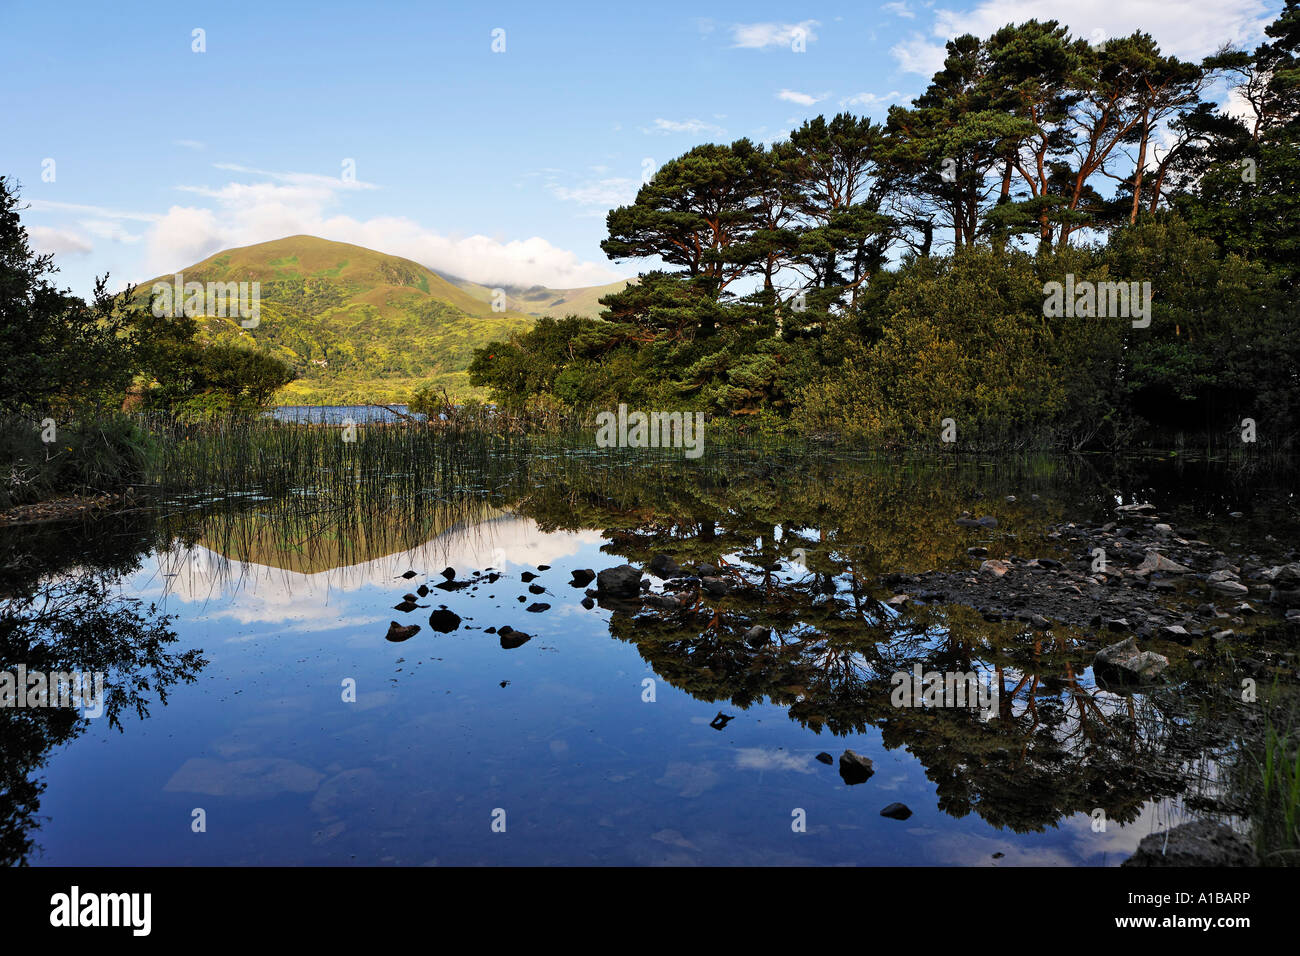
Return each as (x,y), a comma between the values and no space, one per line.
(621,581)
(1155,561)
(855,768)
(1203,843)
(1124,663)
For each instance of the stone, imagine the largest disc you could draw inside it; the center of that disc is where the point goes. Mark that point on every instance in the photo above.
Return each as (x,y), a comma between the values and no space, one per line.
(1124,663)
(398,632)
(1155,561)
(582,578)
(1202,843)
(621,581)
(444,621)
(995,567)
(855,768)
(896,811)
(825,758)
(662,566)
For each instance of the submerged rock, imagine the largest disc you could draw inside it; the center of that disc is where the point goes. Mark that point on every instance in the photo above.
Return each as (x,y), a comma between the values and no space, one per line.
(444,621)
(399,632)
(1202,843)
(662,566)
(510,638)
(1124,663)
(855,768)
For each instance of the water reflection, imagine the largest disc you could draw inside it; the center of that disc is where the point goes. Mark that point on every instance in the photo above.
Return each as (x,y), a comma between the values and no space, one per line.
(291,598)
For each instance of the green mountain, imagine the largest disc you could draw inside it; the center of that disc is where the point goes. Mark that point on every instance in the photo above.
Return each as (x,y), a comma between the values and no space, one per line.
(361,326)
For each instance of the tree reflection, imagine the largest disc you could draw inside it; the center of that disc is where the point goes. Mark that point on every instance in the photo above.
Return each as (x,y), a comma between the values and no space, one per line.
(60,611)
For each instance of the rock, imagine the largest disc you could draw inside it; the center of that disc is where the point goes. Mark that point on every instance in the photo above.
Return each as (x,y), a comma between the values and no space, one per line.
(978,552)
(1124,663)
(1040,622)
(588,603)
(1286,598)
(1118,624)
(1145,508)
(409,597)
(422,590)
(715,586)
(706,570)
(1230,587)
(1162,529)
(825,758)
(510,638)
(449,573)
(536,589)
(720,721)
(669,602)
(621,581)
(757,635)
(537,608)
(662,566)
(582,578)
(1203,843)
(995,567)
(408,575)
(543,567)
(855,768)
(1155,561)
(398,632)
(896,811)
(527,576)
(406,607)
(1283,575)
(444,621)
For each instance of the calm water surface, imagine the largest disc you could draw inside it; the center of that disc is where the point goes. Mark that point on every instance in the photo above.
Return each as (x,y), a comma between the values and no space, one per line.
(597,739)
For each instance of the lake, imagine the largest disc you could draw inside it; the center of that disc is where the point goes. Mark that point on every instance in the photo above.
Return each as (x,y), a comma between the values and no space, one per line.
(283,726)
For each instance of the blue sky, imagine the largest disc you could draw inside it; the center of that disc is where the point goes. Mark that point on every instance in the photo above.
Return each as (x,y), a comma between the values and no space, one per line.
(498,166)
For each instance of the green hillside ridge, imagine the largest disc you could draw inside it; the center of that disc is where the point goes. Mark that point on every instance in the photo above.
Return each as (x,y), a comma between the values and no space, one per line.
(358,325)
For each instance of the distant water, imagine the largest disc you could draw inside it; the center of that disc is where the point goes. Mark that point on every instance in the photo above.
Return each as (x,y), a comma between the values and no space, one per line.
(336,414)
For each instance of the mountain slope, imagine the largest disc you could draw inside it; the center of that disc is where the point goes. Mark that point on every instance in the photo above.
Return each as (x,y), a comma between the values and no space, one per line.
(358,325)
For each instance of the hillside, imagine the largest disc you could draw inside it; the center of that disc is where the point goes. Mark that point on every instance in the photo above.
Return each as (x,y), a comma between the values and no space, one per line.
(358,325)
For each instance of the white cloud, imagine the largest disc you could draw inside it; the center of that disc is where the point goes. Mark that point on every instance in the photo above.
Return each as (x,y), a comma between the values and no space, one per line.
(693,126)
(916,54)
(61,242)
(1190,29)
(244,213)
(758,36)
(110,229)
(803,99)
(190,144)
(871,100)
(602,194)
(899,10)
